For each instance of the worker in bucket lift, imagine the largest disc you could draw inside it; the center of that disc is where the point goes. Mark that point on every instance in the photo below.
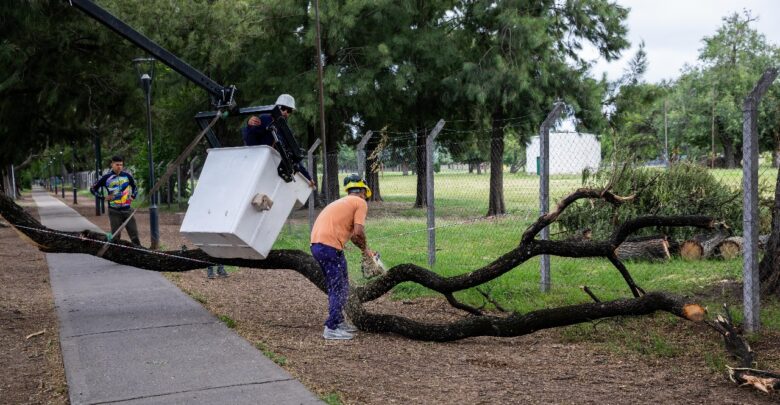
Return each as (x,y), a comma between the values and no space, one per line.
(121,192)
(258,130)
(341,221)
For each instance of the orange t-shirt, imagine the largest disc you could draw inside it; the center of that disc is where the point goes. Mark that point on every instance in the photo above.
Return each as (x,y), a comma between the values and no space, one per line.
(335,224)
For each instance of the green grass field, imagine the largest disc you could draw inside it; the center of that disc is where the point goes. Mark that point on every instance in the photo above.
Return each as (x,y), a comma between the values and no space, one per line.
(465,241)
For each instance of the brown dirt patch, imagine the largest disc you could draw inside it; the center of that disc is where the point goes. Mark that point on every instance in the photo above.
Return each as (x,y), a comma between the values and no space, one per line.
(283,312)
(32,370)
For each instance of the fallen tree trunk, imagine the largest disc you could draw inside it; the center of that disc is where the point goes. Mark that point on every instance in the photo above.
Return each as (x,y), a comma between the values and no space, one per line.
(475,324)
(701,246)
(729,248)
(650,249)
(522,324)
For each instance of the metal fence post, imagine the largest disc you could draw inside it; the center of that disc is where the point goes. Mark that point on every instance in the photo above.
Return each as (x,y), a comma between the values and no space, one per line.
(310,156)
(361,154)
(750,219)
(429,192)
(544,187)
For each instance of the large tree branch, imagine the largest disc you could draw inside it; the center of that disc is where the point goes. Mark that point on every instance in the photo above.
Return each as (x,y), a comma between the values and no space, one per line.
(88,242)
(523,324)
(552,216)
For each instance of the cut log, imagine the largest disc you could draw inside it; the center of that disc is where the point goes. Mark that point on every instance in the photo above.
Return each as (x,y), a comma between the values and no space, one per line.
(651,249)
(691,250)
(702,246)
(729,248)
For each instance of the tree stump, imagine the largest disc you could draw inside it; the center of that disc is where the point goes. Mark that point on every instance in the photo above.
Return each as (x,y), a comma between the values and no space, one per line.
(729,248)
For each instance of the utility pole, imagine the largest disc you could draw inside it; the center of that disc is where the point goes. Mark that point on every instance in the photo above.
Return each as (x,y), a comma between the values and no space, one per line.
(324,186)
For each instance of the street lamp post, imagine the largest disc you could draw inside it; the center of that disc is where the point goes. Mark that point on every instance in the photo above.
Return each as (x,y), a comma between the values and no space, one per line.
(73,170)
(48,181)
(54,178)
(98,173)
(63,171)
(145,69)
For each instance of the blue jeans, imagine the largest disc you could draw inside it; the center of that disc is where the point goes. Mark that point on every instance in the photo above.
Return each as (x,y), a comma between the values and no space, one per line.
(334,267)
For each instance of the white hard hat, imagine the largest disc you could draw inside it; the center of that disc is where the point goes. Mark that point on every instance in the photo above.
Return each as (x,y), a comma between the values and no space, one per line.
(286,100)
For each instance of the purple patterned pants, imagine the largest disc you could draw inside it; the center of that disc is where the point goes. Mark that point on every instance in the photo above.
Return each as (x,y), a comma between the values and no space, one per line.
(334,267)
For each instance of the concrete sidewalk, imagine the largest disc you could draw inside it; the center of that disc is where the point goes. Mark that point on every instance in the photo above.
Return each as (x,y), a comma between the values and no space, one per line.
(130,336)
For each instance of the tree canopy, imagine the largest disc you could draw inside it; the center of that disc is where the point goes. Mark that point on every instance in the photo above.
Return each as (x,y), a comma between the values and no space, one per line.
(492,69)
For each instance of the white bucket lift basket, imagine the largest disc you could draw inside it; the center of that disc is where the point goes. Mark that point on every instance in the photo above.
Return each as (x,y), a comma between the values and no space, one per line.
(240,203)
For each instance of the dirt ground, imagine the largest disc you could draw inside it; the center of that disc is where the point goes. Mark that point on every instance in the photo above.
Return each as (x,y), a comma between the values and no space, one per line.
(283,313)
(31,370)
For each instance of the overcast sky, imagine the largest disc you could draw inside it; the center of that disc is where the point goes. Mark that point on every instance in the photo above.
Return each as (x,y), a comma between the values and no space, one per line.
(673,30)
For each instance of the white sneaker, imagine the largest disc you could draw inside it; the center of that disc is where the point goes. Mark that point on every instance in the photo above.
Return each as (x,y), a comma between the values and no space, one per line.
(347,327)
(336,334)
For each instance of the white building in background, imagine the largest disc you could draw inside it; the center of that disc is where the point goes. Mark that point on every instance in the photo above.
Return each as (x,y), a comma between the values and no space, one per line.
(570,153)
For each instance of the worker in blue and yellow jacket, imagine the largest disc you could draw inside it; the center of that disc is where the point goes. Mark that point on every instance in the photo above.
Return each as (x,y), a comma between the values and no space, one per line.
(122,190)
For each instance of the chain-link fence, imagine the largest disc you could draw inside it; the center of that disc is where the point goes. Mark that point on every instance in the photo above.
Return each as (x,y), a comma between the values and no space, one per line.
(488,185)
(481,213)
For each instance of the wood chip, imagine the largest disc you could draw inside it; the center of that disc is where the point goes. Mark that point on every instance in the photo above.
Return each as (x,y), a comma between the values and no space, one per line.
(40,332)
(762,384)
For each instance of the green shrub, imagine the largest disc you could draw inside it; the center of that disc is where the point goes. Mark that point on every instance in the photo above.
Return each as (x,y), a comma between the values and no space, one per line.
(684,189)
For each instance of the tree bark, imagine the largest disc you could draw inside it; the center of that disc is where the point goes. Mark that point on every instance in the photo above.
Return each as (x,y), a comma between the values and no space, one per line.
(729,151)
(496,197)
(421,198)
(372,170)
(652,249)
